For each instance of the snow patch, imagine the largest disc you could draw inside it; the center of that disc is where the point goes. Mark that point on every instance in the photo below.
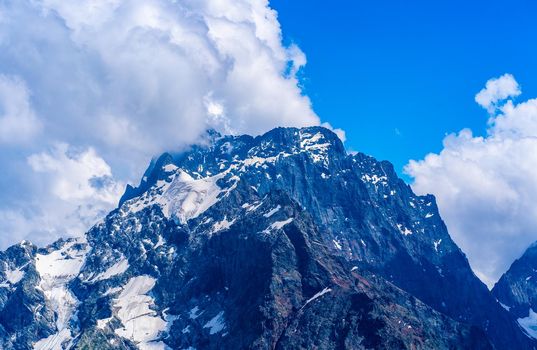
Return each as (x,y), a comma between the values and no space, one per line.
(277,225)
(187,198)
(102,323)
(216,324)
(374,179)
(260,162)
(317,151)
(183,198)
(54,341)
(133,307)
(222,225)
(436,244)
(404,230)
(114,270)
(317,295)
(529,324)
(113,290)
(160,242)
(505,306)
(56,270)
(253,207)
(194,313)
(14,276)
(336,244)
(169,168)
(272,212)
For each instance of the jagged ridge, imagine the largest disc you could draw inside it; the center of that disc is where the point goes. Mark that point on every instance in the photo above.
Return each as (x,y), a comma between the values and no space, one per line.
(278,241)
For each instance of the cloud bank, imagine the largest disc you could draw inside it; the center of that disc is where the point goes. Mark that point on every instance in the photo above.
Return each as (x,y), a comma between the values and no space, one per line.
(486,186)
(18,122)
(71,189)
(90,90)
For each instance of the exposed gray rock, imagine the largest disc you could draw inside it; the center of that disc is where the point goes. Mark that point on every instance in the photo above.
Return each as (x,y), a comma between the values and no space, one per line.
(517,290)
(278,241)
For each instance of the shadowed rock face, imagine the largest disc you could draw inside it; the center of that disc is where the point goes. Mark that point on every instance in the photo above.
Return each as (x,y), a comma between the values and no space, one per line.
(517,290)
(281,241)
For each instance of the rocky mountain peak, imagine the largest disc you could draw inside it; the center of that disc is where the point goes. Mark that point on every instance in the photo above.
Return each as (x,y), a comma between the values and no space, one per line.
(516,290)
(216,153)
(279,241)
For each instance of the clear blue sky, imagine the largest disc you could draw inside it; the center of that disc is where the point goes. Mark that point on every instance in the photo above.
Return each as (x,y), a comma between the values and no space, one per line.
(415,66)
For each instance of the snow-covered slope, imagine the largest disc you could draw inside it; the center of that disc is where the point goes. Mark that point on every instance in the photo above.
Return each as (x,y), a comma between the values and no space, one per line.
(278,241)
(56,269)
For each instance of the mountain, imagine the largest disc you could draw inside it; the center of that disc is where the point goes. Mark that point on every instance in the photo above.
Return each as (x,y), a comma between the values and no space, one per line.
(281,241)
(517,290)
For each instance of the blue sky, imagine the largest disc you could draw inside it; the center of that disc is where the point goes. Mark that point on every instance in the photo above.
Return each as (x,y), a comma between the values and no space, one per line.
(415,66)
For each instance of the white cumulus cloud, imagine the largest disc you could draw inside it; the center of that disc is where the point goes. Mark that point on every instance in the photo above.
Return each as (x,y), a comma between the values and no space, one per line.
(486,185)
(497,90)
(126,80)
(71,189)
(18,122)
(100,69)
(77,175)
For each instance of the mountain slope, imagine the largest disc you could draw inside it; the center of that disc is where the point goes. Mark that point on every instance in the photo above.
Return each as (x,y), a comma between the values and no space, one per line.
(368,216)
(277,241)
(263,282)
(517,290)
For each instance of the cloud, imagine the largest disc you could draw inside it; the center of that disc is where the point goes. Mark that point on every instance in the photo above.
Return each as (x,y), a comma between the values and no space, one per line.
(339,132)
(497,90)
(71,190)
(77,175)
(18,122)
(486,185)
(124,80)
(103,66)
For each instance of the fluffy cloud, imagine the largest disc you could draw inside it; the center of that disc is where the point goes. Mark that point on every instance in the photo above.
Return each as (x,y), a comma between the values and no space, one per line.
(18,122)
(71,190)
(497,90)
(486,186)
(128,79)
(124,70)
(75,176)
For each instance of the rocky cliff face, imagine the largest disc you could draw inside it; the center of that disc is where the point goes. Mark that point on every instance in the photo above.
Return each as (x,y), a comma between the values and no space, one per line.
(278,241)
(517,290)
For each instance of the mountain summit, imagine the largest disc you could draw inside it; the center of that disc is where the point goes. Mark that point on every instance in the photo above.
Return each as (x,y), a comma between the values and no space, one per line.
(517,290)
(280,241)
